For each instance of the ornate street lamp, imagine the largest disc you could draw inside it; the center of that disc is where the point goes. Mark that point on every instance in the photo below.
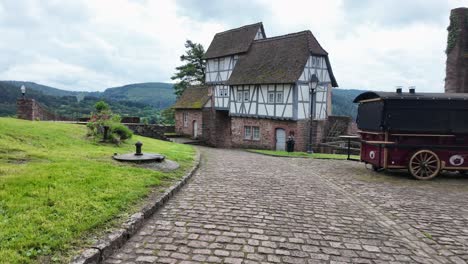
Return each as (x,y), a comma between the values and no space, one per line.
(312,86)
(23,91)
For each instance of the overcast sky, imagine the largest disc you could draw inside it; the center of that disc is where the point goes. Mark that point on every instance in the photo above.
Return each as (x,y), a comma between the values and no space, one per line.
(94,44)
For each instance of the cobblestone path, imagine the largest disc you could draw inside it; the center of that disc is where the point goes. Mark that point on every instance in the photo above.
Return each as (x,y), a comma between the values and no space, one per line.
(247,208)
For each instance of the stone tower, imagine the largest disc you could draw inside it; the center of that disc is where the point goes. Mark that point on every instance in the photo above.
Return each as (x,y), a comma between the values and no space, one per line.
(456,78)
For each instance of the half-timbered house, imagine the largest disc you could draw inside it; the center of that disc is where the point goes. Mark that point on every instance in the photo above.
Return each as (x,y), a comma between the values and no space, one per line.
(260,88)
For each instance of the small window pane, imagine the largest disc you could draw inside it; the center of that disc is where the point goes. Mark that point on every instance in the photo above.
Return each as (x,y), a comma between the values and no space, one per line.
(271,98)
(239,96)
(279,97)
(247,132)
(256,133)
(246,96)
(185,117)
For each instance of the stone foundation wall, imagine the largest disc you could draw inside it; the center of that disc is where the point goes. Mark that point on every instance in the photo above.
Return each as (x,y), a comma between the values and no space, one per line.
(298,129)
(217,128)
(187,129)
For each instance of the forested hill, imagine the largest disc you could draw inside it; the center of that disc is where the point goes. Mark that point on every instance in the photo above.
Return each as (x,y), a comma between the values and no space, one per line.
(156,94)
(47,90)
(342,100)
(75,104)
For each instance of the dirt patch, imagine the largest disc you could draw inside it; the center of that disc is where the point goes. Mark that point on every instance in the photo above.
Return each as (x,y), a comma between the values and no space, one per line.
(165,165)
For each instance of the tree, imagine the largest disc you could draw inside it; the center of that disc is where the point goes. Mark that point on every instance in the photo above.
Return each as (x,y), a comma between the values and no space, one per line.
(101,106)
(193,71)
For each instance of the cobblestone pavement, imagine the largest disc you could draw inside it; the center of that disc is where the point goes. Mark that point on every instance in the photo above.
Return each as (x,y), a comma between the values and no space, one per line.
(248,208)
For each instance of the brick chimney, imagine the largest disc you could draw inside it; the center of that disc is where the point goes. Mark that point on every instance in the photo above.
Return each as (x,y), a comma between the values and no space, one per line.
(456,79)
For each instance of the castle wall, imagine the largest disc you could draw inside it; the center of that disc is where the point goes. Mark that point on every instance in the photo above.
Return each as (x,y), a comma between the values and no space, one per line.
(456,80)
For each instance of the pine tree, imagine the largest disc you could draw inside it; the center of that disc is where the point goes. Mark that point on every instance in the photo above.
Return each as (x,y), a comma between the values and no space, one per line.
(193,71)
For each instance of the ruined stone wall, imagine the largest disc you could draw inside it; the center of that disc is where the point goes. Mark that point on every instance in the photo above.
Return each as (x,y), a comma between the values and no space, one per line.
(150,130)
(29,109)
(456,79)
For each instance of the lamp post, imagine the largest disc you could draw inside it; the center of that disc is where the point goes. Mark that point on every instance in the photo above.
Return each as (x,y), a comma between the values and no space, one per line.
(23,91)
(312,86)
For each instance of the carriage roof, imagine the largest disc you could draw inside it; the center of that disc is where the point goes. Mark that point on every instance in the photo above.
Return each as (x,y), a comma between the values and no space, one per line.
(413,112)
(367,96)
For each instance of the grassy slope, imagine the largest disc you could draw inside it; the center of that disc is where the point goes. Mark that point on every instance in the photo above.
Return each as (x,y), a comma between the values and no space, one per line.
(302,154)
(56,186)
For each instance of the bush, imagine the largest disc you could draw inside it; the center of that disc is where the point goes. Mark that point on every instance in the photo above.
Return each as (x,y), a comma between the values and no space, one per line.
(105,118)
(121,130)
(101,106)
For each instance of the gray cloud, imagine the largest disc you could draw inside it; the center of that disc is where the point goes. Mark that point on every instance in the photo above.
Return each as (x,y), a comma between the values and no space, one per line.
(394,13)
(238,12)
(91,45)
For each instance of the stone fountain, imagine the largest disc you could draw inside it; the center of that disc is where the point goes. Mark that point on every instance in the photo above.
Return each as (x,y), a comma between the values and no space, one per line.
(139,156)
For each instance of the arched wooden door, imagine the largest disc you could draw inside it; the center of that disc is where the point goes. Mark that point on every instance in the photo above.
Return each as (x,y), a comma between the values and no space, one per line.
(280,139)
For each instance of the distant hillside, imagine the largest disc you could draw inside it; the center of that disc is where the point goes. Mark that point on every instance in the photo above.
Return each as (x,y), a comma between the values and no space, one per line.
(9,93)
(342,100)
(69,106)
(156,94)
(47,90)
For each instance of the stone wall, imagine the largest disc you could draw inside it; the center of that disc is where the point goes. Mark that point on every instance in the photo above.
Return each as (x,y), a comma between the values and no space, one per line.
(217,128)
(456,79)
(187,129)
(29,109)
(298,129)
(151,131)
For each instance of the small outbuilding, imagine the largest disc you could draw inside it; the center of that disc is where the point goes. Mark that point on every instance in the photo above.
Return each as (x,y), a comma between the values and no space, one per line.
(189,111)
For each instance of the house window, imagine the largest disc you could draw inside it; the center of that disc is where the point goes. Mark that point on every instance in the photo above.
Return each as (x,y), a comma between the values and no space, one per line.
(185,118)
(223,92)
(255,133)
(271,97)
(246,96)
(239,97)
(247,132)
(251,133)
(279,97)
(275,97)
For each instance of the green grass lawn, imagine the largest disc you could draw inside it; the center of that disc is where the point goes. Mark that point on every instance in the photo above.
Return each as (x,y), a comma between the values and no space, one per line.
(302,154)
(57,187)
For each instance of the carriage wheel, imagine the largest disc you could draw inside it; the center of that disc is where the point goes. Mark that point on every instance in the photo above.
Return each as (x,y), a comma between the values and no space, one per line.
(424,165)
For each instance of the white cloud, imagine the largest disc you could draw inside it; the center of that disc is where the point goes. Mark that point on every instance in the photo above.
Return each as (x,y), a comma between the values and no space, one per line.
(94,44)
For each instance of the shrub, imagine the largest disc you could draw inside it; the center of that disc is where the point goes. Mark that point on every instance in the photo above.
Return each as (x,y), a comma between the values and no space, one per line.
(101,106)
(121,130)
(105,118)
